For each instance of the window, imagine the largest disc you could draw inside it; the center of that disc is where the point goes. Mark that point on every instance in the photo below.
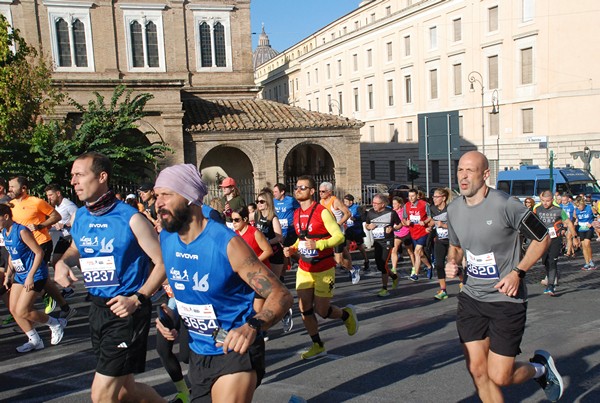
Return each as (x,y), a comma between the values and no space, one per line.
(213,38)
(527,120)
(369,58)
(328,68)
(316,76)
(408,89)
(389,51)
(356,25)
(392,135)
(493,72)
(457,72)
(355,62)
(409,131)
(390,92)
(432,37)
(372,169)
(435,171)
(392,168)
(71,34)
(317,104)
(340,102)
(493,19)
(527,10)
(309,106)
(144,42)
(329,104)
(356,99)
(297,84)
(407,45)
(457,28)
(527,66)
(433,86)
(494,124)
(372,134)
(373,18)
(370,95)
(308,78)
(388,11)
(339,65)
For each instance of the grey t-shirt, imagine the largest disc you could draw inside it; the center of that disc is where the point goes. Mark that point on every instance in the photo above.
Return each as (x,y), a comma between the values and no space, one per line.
(488,234)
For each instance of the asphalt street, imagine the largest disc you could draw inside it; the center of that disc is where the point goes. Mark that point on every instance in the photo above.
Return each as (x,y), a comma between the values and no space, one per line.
(406,349)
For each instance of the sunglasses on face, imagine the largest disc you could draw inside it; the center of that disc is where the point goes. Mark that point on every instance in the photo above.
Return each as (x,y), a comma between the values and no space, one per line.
(301,187)
(237,219)
(323,191)
(261,201)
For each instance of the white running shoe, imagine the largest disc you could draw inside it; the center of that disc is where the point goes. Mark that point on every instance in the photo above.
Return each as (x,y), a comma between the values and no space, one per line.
(287,322)
(58,331)
(29,346)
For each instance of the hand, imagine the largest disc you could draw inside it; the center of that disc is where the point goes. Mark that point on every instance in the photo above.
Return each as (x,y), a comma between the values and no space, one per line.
(310,244)
(31,227)
(451,269)
(286,252)
(509,285)
(123,306)
(239,339)
(169,334)
(388,230)
(28,285)
(63,274)
(370,226)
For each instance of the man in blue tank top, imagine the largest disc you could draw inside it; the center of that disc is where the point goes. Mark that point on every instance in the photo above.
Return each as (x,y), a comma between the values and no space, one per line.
(114,246)
(214,276)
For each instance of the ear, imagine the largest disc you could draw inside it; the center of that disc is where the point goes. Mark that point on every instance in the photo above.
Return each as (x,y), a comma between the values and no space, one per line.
(103,177)
(486,174)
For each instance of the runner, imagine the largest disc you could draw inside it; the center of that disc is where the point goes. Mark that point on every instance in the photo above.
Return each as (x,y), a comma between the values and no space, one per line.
(114,245)
(485,224)
(28,273)
(401,237)
(382,221)
(584,217)
(215,293)
(354,228)
(318,233)
(416,216)
(569,208)
(231,200)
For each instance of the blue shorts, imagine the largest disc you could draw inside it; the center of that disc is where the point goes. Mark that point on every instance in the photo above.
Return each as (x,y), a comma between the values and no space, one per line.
(421,241)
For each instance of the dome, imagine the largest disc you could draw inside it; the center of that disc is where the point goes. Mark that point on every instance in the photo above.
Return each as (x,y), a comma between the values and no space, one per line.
(263,52)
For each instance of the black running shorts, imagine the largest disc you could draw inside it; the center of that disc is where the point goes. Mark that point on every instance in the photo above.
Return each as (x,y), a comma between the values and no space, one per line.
(62,245)
(119,343)
(502,322)
(204,370)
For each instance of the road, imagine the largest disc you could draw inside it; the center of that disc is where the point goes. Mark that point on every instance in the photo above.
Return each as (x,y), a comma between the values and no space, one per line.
(406,350)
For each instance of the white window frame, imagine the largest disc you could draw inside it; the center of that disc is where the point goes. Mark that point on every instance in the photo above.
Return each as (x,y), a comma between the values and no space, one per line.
(70,11)
(143,13)
(211,15)
(433,37)
(527,11)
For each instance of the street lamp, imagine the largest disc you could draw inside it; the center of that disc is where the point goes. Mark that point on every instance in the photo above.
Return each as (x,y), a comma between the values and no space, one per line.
(495,111)
(473,79)
(335,103)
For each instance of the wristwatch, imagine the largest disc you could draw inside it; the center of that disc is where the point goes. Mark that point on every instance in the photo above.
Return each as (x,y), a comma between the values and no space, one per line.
(141,297)
(520,272)
(255,324)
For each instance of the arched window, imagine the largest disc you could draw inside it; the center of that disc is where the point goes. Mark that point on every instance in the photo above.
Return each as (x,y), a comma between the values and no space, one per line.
(152,44)
(137,45)
(205,45)
(80,46)
(63,43)
(71,39)
(219,33)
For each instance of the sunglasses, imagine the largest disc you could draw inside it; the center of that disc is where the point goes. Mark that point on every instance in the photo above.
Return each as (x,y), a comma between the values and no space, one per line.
(238,219)
(323,191)
(261,201)
(302,188)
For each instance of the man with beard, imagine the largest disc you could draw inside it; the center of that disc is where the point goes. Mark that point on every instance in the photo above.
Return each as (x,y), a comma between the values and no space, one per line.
(115,245)
(484,224)
(214,276)
(318,234)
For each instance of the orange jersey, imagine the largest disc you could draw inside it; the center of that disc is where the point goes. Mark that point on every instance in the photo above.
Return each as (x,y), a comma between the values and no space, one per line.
(32,210)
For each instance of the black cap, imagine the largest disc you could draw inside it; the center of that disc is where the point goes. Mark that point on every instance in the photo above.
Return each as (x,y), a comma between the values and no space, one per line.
(146,187)
(349,197)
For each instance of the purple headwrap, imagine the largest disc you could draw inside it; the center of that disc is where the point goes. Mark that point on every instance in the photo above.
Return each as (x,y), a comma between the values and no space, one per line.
(185,180)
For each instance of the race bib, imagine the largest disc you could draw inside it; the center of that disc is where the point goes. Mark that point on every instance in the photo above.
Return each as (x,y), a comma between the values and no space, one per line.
(99,271)
(584,226)
(482,266)
(552,232)
(415,218)
(379,233)
(199,319)
(284,223)
(304,251)
(442,233)
(18,266)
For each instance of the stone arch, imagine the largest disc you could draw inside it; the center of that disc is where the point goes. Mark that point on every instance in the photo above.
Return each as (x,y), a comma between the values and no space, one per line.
(309,158)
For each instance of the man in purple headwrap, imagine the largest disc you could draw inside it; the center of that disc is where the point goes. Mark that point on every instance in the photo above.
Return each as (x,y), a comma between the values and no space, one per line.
(214,276)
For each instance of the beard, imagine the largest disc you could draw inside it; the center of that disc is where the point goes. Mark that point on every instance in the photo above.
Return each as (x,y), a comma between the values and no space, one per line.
(180,218)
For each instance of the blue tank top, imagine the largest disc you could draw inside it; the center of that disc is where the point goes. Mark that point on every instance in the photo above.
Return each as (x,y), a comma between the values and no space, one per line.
(568,208)
(209,293)
(112,261)
(22,257)
(585,218)
(284,209)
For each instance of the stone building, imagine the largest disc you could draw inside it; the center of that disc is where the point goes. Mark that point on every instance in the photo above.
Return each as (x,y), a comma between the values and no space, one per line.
(195,57)
(390,62)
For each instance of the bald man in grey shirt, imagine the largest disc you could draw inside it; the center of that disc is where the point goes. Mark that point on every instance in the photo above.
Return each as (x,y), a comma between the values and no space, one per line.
(484,226)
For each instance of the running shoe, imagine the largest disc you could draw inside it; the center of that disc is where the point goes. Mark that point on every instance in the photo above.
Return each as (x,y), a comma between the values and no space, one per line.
(49,303)
(67,292)
(181,397)
(551,381)
(549,291)
(395,282)
(352,322)
(355,273)
(366,265)
(413,277)
(29,346)
(592,265)
(314,351)
(586,267)
(58,331)
(383,293)
(287,322)
(430,273)
(441,295)
(394,270)
(8,321)
(67,315)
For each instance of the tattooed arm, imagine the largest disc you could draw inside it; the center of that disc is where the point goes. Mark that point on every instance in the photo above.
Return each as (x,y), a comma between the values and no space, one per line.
(278,299)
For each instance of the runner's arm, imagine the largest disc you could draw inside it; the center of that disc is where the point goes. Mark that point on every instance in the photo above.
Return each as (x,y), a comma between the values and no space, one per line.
(337,237)
(267,250)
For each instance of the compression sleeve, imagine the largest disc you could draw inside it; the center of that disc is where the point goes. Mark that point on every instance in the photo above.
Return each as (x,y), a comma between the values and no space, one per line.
(337,237)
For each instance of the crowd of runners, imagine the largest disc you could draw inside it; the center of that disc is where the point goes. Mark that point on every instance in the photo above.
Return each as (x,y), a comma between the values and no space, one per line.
(223,268)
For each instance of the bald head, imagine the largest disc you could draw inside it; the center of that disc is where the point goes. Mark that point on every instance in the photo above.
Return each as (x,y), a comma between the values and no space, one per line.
(473,170)
(477,158)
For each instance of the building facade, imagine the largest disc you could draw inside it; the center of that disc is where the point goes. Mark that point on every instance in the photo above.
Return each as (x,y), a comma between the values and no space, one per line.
(195,57)
(389,62)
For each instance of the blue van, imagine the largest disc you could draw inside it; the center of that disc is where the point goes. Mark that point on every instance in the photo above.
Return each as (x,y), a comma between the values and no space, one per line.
(531,180)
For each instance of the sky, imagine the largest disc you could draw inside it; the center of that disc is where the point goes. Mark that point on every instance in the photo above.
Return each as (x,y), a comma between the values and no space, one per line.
(289,21)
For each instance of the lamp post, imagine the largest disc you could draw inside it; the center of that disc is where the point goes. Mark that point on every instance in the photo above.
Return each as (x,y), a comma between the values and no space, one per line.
(495,111)
(335,103)
(473,79)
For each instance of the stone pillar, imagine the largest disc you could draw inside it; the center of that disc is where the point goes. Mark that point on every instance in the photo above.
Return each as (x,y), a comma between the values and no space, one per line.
(173,136)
